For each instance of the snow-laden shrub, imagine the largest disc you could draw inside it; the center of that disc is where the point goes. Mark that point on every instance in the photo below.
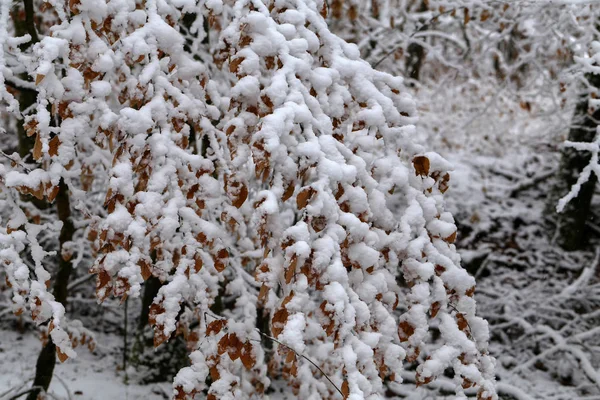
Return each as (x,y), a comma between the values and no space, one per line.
(273,187)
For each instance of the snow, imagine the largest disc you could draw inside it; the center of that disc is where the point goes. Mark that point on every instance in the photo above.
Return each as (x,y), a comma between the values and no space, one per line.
(88,377)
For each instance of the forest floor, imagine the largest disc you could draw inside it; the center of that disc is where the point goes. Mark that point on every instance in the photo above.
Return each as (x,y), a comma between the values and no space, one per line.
(90,376)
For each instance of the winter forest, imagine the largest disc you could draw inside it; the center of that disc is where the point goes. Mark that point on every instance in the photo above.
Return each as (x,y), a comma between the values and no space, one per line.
(299,199)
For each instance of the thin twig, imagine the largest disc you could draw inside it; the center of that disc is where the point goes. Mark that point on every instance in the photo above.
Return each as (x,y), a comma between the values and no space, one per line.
(423,27)
(286,346)
(303,356)
(13,389)
(31,389)
(30,22)
(65,386)
(79,281)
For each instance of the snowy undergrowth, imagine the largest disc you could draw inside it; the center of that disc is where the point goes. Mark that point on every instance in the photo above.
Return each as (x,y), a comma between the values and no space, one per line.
(540,301)
(91,376)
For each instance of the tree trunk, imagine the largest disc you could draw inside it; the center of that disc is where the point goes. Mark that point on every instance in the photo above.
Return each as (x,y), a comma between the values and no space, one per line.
(151,287)
(416,52)
(570,224)
(155,364)
(47,359)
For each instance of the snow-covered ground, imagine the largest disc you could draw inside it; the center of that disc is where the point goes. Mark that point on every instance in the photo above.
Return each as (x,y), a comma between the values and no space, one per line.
(90,376)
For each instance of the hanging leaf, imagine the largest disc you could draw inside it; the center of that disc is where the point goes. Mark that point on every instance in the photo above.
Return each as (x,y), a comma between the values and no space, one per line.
(421,164)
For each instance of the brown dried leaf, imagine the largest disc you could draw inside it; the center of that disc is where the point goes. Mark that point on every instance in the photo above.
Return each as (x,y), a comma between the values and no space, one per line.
(103,279)
(421,164)
(235,64)
(289,191)
(215,326)
(223,344)
(324,10)
(52,193)
(461,321)
(470,292)
(278,321)
(61,356)
(234,348)
(54,144)
(197,263)
(304,197)
(159,338)
(247,357)
(214,375)
(451,238)
(241,197)
(345,389)
(485,15)
(262,295)
(405,331)
(435,308)
(352,13)
(422,381)
(291,269)
(37,148)
(145,269)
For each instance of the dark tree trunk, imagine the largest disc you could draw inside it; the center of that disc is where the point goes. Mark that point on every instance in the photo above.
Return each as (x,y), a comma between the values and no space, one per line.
(570,223)
(151,287)
(155,364)
(47,359)
(27,97)
(416,52)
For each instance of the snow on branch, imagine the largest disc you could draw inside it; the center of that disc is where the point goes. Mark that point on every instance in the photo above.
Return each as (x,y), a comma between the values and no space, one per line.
(586,173)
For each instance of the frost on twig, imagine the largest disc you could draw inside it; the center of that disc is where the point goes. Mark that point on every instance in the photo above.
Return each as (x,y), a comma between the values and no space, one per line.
(586,173)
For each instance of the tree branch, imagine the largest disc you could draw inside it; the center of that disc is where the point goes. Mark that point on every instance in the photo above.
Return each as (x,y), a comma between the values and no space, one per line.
(303,356)
(30,22)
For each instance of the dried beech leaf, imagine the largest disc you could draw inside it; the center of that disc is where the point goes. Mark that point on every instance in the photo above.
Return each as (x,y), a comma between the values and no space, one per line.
(223,344)
(291,269)
(37,148)
(247,357)
(241,196)
(304,197)
(235,64)
(145,270)
(345,389)
(264,292)
(52,193)
(435,308)
(451,238)
(54,144)
(470,292)
(61,356)
(197,263)
(421,164)
(215,326)
(234,348)
(324,10)
(405,331)
(289,191)
(461,321)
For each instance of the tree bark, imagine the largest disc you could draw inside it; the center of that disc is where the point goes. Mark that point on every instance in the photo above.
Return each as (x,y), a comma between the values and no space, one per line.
(416,52)
(570,223)
(27,97)
(47,359)
(151,287)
